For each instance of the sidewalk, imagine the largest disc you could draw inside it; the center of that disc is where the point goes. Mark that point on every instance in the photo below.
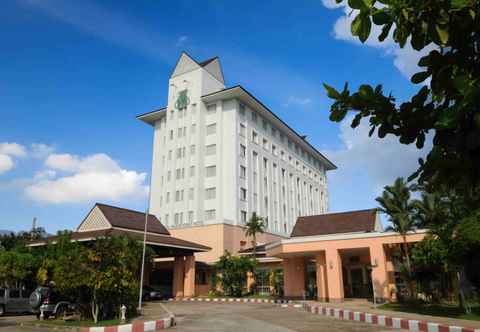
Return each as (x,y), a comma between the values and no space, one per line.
(367,307)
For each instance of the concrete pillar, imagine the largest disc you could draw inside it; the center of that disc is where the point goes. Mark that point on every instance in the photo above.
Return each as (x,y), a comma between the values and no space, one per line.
(294,277)
(189,280)
(178,272)
(379,271)
(321,272)
(334,275)
(392,288)
(250,281)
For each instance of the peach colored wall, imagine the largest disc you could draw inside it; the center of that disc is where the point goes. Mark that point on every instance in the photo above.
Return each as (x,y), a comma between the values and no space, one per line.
(189,281)
(219,237)
(378,247)
(313,247)
(178,276)
(294,277)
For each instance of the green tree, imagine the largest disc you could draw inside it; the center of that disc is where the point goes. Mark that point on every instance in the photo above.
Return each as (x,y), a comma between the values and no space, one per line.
(232,273)
(254,226)
(397,204)
(16,267)
(448,98)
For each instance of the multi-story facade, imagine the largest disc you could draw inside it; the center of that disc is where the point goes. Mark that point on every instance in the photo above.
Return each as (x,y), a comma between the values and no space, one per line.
(219,155)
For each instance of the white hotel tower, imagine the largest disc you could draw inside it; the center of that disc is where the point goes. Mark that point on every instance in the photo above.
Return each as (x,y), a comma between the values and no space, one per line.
(219,155)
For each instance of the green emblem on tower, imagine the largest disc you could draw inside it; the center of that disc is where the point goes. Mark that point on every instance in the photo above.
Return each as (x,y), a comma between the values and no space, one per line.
(182,100)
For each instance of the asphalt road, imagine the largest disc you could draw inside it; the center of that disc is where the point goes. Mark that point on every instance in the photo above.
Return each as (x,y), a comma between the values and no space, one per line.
(236,317)
(230,317)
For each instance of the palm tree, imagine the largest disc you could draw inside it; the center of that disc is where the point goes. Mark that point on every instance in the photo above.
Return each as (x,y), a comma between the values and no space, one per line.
(396,203)
(253,226)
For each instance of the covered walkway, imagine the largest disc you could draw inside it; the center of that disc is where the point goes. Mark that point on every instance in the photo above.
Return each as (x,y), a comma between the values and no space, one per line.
(348,252)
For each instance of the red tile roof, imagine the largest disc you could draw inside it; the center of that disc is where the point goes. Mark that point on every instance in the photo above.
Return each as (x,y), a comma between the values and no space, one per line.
(336,223)
(130,219)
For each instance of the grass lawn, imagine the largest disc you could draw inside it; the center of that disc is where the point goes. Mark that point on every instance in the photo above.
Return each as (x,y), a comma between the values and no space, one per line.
(73,323)
(441,310)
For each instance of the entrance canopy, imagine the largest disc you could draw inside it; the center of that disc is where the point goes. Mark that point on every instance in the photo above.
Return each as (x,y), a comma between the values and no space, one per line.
(348,249)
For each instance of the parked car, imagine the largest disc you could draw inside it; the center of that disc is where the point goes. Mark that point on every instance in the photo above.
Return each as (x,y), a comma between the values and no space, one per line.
(14,300)
(149,293)
(50,302)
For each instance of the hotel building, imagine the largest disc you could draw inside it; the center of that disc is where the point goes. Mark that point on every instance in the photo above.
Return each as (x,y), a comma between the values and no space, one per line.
(220,154)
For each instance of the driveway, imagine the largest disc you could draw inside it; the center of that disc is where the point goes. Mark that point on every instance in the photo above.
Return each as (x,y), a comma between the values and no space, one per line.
(234,317)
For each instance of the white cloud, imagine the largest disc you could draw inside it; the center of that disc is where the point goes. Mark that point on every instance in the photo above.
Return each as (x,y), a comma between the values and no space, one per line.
(6,163)
(73,179)
(374,160)
(7,152)
(297,101)
(405,59)
(40,150)
(12,149)
(331,4)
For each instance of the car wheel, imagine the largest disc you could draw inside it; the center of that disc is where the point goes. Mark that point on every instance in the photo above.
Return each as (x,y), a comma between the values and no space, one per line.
(2,310)
(146,297)
(61,310)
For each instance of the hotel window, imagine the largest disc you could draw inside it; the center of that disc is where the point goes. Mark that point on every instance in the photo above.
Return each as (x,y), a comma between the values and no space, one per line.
(243,172)
(193,128)
(282,155)
(210,215)
(192,149)
(193,109)
(243,217)
(254,137)
(169,175)
(243,130)
(190,217)
(210,193)
(179,153)
(243,151)
(210,149)
(190,193)
(264,124)
(170,155)
(177,219)
(171,115)
(274,132)
(179,195)
(192,171)
(274,150)
(171,134)
(281,138)
(242,109)
(211,109)
(210,171)
(178,173)
(255,201)
(265,144)
(180,114)
(184,152)
(167,198)
(211,129)
(179,132)
(254,116)
(184,131)
(166,219)
(183,173)
(243,194)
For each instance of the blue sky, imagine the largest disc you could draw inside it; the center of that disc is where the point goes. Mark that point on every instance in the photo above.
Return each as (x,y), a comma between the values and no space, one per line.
(74,74)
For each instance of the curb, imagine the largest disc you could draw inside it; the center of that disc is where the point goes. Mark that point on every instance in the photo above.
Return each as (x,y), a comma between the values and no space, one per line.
(283,303)
(135,326)
(396,323)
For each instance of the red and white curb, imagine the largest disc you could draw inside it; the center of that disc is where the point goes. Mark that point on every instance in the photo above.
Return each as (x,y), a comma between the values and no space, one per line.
(396,323)
(136,326)
(283,303)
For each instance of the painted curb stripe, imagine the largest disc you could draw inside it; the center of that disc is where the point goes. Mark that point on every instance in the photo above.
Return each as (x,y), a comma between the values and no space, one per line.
(398,323)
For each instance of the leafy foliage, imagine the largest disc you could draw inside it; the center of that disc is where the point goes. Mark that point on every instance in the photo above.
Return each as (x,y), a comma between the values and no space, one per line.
(448,101)
(254,226)
(232,273)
